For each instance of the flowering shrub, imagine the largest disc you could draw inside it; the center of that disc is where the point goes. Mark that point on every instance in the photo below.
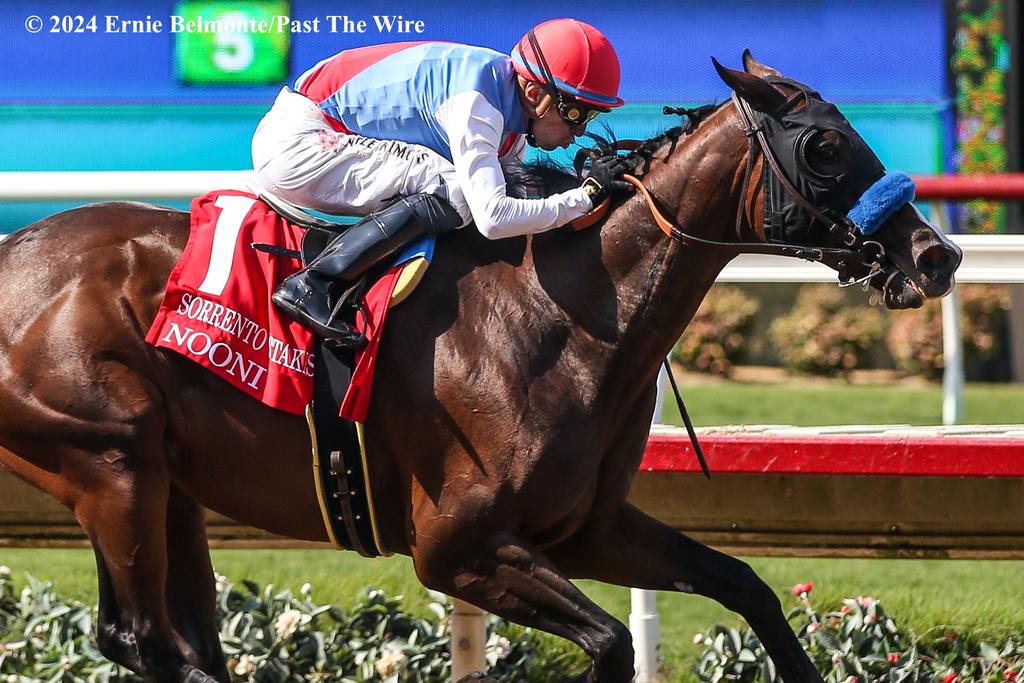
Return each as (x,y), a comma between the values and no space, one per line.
(858,643)
(915,337)
(824,335)
(718,335)
(271,636)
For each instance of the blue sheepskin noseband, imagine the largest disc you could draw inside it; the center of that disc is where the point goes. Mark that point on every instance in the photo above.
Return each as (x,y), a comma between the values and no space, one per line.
(880,201)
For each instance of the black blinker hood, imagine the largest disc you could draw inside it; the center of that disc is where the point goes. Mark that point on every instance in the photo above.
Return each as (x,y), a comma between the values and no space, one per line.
(788,133)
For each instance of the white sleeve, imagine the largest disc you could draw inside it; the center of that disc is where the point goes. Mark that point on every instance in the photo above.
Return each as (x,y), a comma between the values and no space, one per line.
(474,131)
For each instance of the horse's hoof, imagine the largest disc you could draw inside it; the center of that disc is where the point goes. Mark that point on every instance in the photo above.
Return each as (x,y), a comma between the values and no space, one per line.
(477,677)
(197,676)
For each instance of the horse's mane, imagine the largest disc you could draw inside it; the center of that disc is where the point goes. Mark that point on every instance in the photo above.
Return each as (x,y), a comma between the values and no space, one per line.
(545,177)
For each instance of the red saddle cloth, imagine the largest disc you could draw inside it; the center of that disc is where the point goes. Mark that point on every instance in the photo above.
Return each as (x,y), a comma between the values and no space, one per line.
(217,309)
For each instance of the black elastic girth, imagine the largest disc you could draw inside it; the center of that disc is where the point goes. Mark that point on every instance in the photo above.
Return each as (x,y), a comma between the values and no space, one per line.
(339,459)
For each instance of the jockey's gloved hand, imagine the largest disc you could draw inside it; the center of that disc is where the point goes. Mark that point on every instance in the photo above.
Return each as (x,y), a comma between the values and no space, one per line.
(605,178)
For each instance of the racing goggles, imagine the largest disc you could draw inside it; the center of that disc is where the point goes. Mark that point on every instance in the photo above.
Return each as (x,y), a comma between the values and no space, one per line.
(574,112)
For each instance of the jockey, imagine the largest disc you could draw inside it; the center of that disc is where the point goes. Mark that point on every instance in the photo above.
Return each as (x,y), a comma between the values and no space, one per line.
(417,136)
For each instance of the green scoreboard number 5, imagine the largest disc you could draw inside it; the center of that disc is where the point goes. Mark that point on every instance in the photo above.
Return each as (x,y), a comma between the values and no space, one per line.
(231,41)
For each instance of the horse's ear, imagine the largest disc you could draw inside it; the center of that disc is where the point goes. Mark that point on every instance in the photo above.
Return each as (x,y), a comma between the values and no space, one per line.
(756,68)
(759,93)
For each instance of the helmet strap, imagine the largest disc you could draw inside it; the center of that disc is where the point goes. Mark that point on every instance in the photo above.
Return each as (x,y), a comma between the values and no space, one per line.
(544,106)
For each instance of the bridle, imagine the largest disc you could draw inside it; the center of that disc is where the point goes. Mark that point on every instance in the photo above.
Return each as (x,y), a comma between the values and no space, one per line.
(853,250)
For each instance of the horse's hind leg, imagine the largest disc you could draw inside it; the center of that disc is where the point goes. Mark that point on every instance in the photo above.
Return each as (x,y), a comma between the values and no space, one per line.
(637,550)
(191,588)
(507,576)
(126,520)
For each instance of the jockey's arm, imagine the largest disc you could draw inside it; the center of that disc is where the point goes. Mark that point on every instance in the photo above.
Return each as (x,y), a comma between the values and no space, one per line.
(474,131)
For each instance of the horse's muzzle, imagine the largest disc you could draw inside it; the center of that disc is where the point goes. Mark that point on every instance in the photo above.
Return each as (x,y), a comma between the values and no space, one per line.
(935,262)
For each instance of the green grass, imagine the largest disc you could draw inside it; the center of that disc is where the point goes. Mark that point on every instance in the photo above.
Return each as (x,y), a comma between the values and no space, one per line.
(964,595)
(806,404)
(971,596)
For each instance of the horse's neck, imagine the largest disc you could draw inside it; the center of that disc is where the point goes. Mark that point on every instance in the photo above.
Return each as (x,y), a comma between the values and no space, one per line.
(660,282)
(605,304)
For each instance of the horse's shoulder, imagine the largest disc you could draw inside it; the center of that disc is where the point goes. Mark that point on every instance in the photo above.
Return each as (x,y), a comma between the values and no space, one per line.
(94,241)
(113,223)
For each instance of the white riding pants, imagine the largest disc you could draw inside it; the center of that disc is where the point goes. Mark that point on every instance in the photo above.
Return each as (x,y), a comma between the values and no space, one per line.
(300,158)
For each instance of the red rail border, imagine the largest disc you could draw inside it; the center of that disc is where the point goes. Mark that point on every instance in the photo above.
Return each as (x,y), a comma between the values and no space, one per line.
(979,451)
(1005,186)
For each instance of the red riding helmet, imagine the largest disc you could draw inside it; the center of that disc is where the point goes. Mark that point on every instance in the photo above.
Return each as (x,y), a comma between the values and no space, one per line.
(572,57)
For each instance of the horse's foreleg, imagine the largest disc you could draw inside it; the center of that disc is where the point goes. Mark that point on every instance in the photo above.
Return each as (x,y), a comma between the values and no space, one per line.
(506,576)
(191,589)
(125,516)
(638,551)
(115,638)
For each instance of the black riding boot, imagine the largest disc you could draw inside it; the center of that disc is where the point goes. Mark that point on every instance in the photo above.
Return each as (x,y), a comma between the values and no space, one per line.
(304,296)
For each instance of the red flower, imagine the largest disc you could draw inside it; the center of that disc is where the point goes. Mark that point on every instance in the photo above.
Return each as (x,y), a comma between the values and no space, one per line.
(894,658)
(802,588)
(950,678)
(844,610)
(1010,675)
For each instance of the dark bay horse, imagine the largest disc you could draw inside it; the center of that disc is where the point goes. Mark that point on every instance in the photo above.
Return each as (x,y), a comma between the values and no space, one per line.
(513,404)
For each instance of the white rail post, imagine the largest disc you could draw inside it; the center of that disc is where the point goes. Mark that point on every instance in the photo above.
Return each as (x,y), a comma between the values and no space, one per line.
(644,622)
(469,633)
(952,341)
(953,356)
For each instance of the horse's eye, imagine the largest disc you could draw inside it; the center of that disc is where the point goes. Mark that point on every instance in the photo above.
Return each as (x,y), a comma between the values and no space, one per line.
(825,153)
(827,150)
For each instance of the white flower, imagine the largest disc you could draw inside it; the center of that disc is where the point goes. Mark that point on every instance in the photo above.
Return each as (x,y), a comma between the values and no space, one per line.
(222,582)
(5,571)
(502,647)
(287,623)
(836,658)
(12,679)
(66,663)
(698,638)
(306,589)
(391,661)
(246,666)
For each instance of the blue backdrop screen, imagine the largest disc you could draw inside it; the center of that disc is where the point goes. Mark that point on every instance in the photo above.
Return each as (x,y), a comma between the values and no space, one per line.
(111,101)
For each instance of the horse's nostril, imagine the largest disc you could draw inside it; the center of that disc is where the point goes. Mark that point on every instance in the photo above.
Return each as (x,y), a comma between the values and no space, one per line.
(937,259)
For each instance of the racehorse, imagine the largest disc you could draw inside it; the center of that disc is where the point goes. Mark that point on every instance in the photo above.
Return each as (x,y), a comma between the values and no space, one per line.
(513,399)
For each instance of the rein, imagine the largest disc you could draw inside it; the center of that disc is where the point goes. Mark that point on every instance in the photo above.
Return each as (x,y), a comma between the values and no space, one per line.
(855,251)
